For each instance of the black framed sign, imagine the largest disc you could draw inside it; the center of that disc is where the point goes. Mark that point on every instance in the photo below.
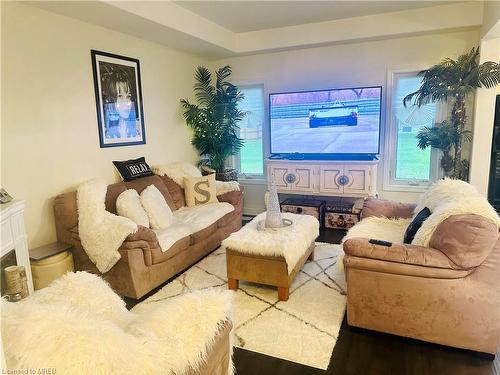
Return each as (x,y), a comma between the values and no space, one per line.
(118,95)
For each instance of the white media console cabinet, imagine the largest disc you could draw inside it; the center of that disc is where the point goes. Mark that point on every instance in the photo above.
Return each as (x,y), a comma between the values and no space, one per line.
(324,177)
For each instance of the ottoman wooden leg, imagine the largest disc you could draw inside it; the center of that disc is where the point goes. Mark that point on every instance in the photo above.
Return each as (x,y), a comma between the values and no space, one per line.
(311,256)
(232,284)
(283,293)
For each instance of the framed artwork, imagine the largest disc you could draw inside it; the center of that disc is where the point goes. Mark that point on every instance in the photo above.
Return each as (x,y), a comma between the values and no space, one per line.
(118,96)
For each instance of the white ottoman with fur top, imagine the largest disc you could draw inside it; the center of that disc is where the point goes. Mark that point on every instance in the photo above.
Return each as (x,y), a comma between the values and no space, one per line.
(271,257)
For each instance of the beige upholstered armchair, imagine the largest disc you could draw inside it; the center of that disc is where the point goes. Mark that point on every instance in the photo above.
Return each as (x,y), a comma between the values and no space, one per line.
(446,292)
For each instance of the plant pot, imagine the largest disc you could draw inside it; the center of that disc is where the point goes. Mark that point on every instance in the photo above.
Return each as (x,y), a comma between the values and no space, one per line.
(229,174)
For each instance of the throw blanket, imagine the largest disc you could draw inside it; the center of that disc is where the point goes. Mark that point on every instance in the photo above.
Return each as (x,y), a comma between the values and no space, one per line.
(100,231)
(178,171)
(83,328)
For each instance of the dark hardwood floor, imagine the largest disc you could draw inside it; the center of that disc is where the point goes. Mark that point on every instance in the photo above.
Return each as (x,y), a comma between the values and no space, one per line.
(364,352)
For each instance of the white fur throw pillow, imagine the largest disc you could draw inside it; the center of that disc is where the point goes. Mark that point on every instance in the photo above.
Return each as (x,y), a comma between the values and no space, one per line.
(445,190)
(160,215)
(128,204)
(177,171)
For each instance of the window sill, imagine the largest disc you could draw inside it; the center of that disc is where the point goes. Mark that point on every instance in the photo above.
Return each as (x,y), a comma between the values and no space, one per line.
(406,188)
(252,180)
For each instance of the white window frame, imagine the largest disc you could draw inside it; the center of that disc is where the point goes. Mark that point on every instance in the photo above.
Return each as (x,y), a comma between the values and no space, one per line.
(236,159)
(390,145)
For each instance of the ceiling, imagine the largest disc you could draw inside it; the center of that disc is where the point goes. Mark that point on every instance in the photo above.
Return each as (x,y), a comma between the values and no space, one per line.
(216,29)
(243,16)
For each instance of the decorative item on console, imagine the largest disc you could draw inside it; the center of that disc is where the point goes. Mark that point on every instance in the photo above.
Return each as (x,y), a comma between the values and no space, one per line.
(304,206)
(342,213)
(17,283)
(273,213)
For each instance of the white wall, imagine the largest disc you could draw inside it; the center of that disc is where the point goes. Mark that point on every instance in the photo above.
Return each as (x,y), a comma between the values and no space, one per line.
(485,101)
(49,134)
(483,122)
(345,65)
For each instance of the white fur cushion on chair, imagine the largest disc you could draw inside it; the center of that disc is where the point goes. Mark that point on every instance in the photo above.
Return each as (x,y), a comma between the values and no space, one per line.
(77,325)
(445,190)
(128,204)
(69,289)
(160,215)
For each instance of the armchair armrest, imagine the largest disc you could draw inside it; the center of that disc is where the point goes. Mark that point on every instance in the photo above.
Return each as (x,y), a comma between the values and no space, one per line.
(390,209)
(399,253)
(401,259)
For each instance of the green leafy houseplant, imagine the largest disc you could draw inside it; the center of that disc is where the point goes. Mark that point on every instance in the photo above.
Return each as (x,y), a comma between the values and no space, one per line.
(452,80)
(215,118)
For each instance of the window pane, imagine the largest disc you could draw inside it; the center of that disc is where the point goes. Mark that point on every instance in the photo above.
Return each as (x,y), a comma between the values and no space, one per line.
(411,162)
(251,155)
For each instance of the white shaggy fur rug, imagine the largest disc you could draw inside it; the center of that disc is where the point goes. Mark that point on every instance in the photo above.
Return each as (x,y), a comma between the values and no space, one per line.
(303,329)
(101,232)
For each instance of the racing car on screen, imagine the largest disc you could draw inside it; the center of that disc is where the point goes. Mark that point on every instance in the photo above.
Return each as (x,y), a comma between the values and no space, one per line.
(333,116)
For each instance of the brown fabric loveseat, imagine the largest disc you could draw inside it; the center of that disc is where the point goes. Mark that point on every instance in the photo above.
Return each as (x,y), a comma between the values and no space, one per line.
(143,265)
(447,293)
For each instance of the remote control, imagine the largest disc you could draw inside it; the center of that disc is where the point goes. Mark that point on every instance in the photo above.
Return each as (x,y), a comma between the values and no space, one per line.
(380,242)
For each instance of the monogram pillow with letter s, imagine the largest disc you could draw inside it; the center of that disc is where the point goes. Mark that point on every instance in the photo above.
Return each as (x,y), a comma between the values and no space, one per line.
(200,190)
(132,169)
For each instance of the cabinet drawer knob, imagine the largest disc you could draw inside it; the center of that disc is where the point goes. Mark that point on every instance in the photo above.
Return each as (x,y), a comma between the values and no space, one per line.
(343,180)
(290,178)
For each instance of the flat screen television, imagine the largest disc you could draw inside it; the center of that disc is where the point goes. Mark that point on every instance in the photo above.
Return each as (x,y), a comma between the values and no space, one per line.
(326,124)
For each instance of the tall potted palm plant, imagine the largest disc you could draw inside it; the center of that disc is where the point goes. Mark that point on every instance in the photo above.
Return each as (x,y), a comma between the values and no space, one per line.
(214,119)
(452,80)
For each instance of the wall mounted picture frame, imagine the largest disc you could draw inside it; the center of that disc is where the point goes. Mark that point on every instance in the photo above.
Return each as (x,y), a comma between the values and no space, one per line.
(118,95)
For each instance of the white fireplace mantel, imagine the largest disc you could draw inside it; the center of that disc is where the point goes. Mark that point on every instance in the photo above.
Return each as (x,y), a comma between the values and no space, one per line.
(13,235)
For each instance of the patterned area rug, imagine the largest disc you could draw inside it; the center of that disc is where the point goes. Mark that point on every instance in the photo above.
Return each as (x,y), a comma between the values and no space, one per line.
(303,329)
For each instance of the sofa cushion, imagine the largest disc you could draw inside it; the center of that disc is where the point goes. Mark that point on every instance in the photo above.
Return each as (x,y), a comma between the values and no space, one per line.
(112,193)
(201,216)
(141,183)
(386,208)
(159,256)
(128,204)
(176,192)
(466,239)
(379,228)
(160,215)
(168,236)
(203,234)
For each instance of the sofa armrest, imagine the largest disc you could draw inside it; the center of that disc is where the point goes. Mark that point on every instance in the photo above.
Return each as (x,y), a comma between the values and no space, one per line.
(399,253)
(386,208)
(144,239)
(233,197)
